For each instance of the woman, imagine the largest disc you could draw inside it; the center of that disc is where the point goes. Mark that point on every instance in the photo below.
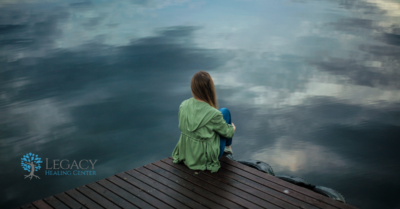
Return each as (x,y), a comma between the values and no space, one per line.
(206,132)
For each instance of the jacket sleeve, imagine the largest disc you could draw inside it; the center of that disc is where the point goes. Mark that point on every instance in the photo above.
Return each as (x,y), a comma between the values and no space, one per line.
(220,126)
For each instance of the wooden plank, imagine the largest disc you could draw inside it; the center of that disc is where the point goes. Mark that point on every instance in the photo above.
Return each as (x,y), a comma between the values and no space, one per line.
(211,185)
(124,194)
(279,194)
(30,206)
(55,203)
(265,183)
(277,181)
(82,199)
(251,190)
(41,204)
(67,200)
(191,193)
(153,191)
(164,184)
(234,186)
(138,192)
(278,187)
(96,197)
(166,190)
(249,193)
(110,196)
(188,185)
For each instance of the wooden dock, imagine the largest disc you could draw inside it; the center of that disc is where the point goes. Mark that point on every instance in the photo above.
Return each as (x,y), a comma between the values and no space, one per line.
(163,184)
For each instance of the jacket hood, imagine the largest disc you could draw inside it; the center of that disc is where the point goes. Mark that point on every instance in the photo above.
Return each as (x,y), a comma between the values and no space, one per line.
(195,114)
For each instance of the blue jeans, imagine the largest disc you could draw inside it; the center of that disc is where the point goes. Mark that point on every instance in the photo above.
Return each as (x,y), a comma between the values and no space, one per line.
(222,140)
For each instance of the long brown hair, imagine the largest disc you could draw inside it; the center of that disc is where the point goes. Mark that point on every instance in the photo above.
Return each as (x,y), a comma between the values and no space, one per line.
(203,88)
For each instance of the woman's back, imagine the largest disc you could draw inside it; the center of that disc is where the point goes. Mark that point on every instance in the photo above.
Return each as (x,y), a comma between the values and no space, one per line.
(201,126)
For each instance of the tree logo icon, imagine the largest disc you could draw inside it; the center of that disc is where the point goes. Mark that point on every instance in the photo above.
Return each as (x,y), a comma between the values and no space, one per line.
(31,162)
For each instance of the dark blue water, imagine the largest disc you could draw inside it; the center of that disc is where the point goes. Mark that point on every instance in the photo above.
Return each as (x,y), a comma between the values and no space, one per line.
(313,87)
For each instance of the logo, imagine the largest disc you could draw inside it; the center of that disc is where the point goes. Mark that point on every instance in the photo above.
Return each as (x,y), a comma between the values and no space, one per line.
(56,167)
(64,167)
(31,163)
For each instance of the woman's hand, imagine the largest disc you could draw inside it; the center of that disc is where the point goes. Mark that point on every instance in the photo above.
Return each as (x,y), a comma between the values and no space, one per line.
(234,127)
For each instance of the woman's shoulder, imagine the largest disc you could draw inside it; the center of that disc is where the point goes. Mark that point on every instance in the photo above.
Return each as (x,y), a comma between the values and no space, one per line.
(192,103)
(186,101)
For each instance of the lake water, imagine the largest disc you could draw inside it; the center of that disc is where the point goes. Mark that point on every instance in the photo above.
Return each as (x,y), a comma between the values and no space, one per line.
(312,85)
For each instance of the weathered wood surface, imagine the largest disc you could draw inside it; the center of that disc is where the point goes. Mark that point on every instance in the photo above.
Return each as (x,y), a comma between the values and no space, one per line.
(163,184)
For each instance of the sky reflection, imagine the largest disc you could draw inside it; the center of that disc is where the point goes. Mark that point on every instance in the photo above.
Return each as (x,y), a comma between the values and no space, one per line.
(313,87)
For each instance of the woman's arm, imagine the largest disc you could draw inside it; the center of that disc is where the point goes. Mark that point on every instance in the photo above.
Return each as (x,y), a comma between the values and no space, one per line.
(220,126)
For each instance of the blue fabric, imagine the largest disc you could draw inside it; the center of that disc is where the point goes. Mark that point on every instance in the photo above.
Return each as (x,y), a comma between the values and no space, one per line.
(225,141)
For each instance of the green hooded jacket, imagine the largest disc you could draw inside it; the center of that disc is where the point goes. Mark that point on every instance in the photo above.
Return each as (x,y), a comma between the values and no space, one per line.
(201,126)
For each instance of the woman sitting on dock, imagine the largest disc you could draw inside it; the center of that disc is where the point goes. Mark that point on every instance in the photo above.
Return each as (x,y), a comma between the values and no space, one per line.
(206,132)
